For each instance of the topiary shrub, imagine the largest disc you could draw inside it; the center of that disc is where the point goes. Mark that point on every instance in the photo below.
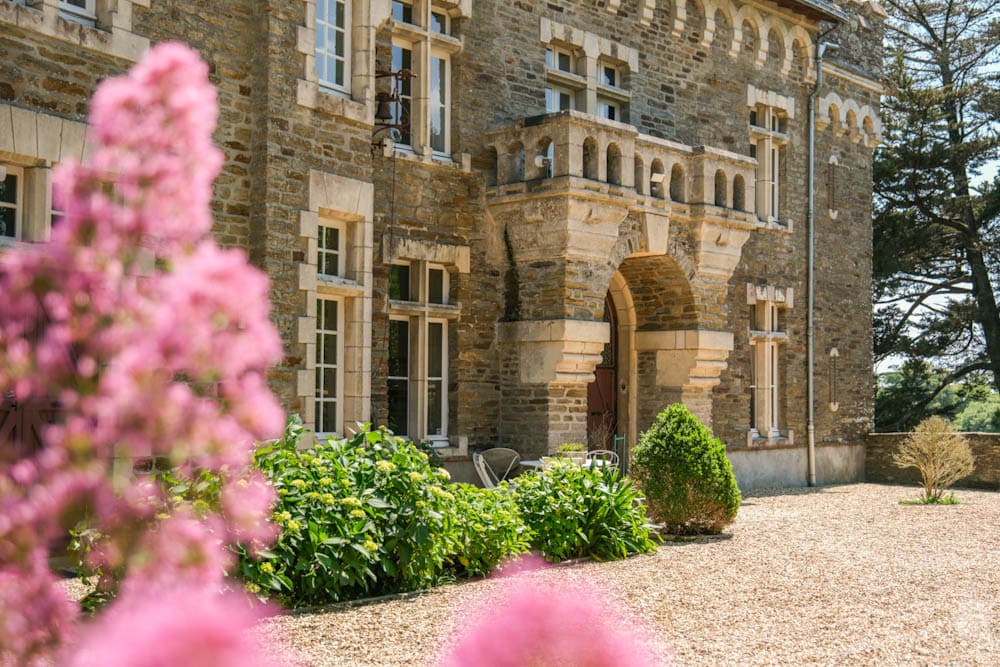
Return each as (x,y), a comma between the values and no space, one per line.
(684,472)
(941,454)
(575,511)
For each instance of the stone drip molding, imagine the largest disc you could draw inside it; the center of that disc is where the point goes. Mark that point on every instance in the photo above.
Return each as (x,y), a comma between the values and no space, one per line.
(792,31)
(860,123)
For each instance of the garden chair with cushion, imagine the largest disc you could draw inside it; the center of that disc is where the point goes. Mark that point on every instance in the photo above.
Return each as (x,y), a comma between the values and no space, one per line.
(495,465)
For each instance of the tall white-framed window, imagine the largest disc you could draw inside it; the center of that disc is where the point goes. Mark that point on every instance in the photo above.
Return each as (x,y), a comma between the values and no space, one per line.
(767,338)
(11,201)
(423,44)
(329,364)
(768,138)
(437,378)
(417,377)
(402,110)
(330,258)
(333,44)
(439,105)
(398,381)
(79,11)
(608,109)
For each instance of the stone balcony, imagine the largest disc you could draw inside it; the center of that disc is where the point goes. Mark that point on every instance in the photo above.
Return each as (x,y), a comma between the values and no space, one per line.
(570,152)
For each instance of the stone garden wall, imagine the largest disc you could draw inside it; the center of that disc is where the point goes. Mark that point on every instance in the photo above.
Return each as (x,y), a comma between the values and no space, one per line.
(879,466)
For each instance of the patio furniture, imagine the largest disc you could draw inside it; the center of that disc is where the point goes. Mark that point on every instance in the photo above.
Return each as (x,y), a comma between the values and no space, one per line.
(602,457)
(495,465)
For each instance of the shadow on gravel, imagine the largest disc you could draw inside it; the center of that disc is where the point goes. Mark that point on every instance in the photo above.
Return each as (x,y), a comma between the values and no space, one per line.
(796,491)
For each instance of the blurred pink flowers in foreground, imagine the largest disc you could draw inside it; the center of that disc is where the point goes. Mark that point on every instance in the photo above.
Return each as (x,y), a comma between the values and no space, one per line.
(189,626)
(537,624)
(155,342)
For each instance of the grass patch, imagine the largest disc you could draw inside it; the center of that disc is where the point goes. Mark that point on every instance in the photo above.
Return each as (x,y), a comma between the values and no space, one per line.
(949,499)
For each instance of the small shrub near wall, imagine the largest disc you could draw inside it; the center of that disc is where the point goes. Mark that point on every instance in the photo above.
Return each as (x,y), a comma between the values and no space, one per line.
(688,481)
(939,453)
(575,511)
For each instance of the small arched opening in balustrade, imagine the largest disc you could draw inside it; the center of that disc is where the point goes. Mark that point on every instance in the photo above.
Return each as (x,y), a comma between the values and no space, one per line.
(515,163)
(640,175)
(739,193)
(677,183)
(590,159)
(614,160)
(720,188)
(656,177)
(545,156)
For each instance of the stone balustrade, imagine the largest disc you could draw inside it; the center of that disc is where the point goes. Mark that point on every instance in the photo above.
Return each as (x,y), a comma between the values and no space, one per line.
(613,158)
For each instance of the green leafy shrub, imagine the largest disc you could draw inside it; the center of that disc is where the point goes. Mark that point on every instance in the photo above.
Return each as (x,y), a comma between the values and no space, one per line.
(576,511)
(940,454)
(490,528)
(359,517)
(684,472)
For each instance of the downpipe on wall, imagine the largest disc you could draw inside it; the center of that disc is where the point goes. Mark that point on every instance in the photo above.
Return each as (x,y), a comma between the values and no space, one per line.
(821,48)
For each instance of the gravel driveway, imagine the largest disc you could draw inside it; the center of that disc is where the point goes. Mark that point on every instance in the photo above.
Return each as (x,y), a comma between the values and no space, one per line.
(840,575)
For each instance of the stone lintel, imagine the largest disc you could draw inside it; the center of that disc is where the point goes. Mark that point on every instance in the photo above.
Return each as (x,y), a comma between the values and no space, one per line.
(555,350)
(687,359)
(396,247)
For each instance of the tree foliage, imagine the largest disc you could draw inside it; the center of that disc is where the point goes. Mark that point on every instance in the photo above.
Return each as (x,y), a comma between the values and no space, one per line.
(937,221)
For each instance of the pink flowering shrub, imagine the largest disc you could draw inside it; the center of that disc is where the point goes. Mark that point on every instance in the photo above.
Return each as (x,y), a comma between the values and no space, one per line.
(155,343)
(538,624)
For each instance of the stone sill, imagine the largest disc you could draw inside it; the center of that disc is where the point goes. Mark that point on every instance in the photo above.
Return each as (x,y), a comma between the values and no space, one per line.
(114,40)
(310,95)
(459,161)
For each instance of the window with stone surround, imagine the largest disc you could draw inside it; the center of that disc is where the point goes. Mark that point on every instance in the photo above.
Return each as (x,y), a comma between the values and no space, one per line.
(48,17)
(333,44)
(422,43)
(418,350)
(769,116)
(586,72)
(767,338)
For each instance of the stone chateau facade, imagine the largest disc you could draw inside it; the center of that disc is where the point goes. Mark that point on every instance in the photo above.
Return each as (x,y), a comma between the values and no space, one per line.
(587,210)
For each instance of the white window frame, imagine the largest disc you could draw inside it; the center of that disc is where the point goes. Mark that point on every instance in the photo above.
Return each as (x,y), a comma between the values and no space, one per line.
(87,15)
(321,401)
(420,313)
(323,251)
(18,205)
(766,340)
(442,106)
(604,105)
(414,10)
(768,140)
(328,54)
(443,378)
(553,54)
(552,95)
(603,67)
(410,98)
(407,379)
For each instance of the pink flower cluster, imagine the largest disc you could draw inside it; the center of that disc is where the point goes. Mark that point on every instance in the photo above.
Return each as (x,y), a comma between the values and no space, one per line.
(154,341)
(538,624)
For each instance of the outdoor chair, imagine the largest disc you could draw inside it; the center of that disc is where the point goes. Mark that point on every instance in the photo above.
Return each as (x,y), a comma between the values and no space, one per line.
(602,457)
(495,465)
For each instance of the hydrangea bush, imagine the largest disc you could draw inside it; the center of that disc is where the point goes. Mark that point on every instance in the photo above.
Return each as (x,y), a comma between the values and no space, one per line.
(153,340)
(362,516)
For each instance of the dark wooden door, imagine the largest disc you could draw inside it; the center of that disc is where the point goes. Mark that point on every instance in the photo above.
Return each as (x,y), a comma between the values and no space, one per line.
(602,395)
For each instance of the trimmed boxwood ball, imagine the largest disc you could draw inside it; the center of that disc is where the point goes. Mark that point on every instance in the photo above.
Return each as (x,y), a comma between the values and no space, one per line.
(683,470)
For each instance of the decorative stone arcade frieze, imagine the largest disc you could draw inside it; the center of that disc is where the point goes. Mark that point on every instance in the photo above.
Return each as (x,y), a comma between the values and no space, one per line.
(576,196)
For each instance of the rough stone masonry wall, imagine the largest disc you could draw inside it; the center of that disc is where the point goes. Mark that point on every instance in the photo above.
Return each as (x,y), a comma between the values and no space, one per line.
(881,446)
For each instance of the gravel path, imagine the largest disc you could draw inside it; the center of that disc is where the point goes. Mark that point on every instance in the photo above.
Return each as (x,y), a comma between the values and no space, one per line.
(840,575)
